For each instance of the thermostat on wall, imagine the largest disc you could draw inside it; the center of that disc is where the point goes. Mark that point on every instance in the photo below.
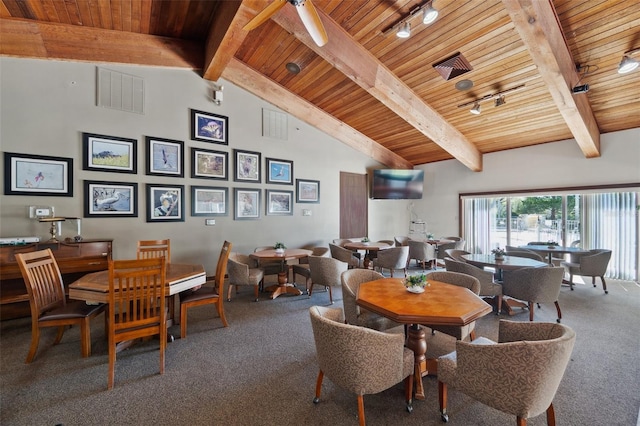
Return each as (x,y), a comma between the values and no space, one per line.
(36,212)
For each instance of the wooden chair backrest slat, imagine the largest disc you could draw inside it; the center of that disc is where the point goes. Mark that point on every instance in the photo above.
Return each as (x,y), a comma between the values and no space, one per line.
(148,249)
(43,280)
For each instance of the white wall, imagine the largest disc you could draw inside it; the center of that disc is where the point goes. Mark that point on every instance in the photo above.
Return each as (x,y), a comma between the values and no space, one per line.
(46,105)
(551,165)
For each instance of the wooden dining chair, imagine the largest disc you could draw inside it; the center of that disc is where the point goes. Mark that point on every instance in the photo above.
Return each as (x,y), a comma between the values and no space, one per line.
(137,305)
(207,295)
(148,249)
(47,300)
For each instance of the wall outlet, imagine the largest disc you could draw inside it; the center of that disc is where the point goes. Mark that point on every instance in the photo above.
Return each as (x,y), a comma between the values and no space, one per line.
(209,222)
(306,212)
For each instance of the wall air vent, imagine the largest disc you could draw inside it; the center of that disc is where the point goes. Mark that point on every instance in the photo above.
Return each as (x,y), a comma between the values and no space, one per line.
(453,66)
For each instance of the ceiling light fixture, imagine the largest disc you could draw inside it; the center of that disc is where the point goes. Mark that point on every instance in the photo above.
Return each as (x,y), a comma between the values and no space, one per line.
(498,96)
(403,27)
(404,31)
(429,15)
(628,64)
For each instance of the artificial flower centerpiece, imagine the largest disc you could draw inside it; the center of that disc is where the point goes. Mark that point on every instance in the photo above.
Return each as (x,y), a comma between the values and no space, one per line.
(416,282)
(430,236)
(498,253)
(365,240)
(279,247)
(552,244)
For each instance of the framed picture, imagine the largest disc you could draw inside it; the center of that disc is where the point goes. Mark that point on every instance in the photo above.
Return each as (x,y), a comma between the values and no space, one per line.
(209,164)
(26,174)
(279,203)
(279,171)
(207,127)
(165,157)
(109,153)
(247,204)
(110,199)
(307,191)
(247,165)
(209,201)
(165,203)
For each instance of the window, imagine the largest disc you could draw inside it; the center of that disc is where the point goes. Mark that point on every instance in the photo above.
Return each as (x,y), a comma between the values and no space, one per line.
(588,217)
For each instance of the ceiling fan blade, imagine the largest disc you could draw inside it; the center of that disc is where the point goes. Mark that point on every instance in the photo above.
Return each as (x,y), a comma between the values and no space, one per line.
(266,13)
(311,20)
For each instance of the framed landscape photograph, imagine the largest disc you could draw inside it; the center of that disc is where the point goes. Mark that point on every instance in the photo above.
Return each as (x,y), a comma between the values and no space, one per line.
(26,174)
(110,199)
(109,153)
(209,201)
(247,166)
(165,203)
(247,204)
(279,203)
(208,127)
(165,157)
(307,191)
(279,171)
(208,164)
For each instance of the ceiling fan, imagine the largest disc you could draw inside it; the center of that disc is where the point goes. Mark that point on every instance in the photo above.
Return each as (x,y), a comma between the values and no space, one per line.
(307,12)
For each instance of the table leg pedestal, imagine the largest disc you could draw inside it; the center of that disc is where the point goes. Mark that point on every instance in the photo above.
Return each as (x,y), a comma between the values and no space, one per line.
(283,286)
(416,341)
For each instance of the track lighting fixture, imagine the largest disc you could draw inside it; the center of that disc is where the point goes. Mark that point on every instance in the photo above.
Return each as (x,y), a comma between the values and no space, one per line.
(404,31)
(628,64)
(498,97)
(403,27)
(429,15)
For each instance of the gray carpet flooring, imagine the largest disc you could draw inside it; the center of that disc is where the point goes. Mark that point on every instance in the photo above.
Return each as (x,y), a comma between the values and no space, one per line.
(261,370)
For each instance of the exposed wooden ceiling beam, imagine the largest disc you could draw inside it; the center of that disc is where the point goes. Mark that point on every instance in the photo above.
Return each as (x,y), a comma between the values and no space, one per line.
(32,39)
(539,27)
(243,76)
(352,59)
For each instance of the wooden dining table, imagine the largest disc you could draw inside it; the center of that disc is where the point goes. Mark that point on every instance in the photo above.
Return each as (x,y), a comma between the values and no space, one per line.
(367,247)
(439,304)
(283,286)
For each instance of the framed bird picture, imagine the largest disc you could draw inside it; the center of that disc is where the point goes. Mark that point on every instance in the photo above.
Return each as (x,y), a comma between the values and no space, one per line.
(109,153)
(165,203)
(165,157)
(247,164)
(279,171)
(110,199)
(37,175)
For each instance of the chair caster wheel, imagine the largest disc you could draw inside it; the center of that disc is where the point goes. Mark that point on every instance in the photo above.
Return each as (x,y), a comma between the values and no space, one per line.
(316,400)
(606,292)
(444,418)
(170,338)
(409,408)
(558,320)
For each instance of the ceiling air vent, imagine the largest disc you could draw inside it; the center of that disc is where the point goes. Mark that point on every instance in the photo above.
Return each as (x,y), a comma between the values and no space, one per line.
(453,66)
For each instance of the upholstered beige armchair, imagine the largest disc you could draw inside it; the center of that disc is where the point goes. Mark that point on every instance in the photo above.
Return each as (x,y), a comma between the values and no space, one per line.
(358,359)
(455,254)
(461,280)
(401,240)
(354,314)
(345,255)
(520,252)
(534,285)
(422,252)
(325,271)
(392,259)
(242,270)
(488,288)
(594,264)
(518,375)
(302,267)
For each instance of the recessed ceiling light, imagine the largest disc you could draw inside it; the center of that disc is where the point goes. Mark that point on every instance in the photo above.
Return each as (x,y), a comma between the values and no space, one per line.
(293,68)
(464,85)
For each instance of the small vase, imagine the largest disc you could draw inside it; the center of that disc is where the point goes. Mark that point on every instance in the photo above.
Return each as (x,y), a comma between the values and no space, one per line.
(499,257)
(280,251)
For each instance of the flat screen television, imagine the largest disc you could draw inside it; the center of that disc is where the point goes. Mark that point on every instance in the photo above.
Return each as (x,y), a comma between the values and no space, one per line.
(392,184)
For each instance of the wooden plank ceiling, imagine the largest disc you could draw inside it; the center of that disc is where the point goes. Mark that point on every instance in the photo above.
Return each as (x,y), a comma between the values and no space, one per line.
(372,90)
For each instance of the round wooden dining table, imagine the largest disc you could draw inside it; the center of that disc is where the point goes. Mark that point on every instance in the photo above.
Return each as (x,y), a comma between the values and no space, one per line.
(367,247)
(283,286)
(440,303)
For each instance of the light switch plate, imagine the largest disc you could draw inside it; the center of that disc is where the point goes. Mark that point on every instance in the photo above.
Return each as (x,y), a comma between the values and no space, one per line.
(209,222)
(306,212)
